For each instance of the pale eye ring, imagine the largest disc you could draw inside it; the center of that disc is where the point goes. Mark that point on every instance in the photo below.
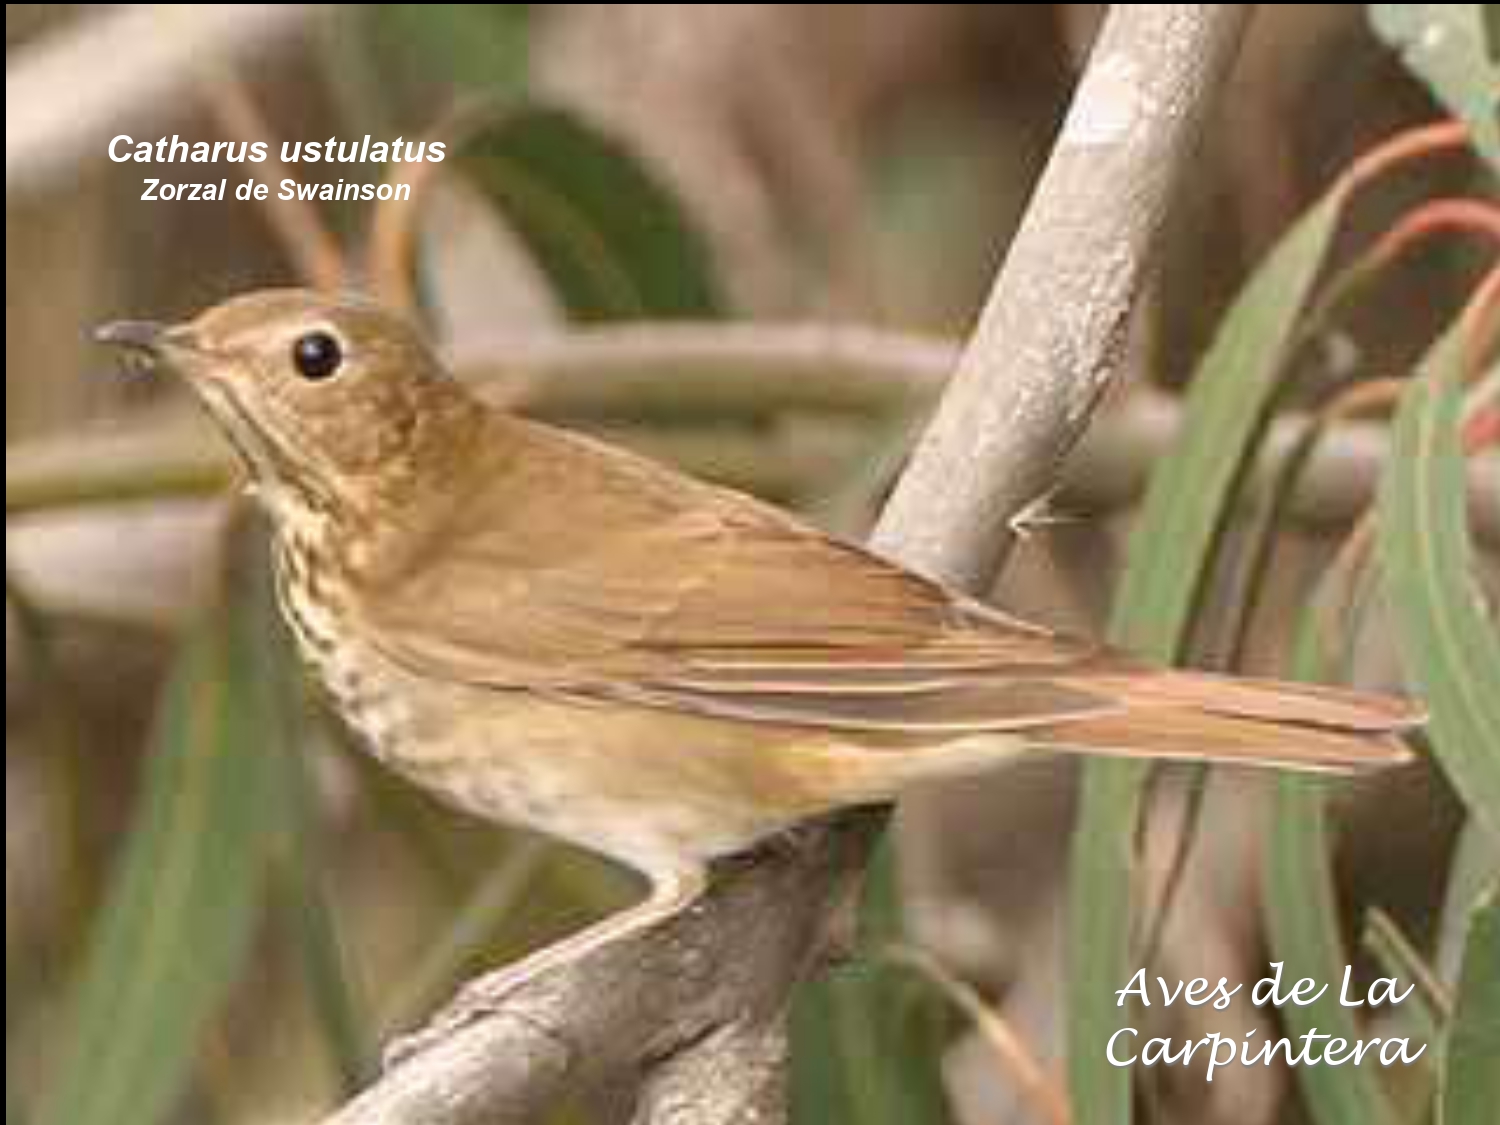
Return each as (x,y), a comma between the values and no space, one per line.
(317,355)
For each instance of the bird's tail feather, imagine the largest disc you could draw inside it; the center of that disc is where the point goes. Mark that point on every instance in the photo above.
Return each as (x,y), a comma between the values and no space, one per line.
(1191,716)
(1197,715)
(1279,702)
(1179,733)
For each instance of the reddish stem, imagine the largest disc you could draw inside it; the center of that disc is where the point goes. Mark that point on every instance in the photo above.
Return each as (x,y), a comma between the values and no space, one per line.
(1440,216)
(1406,146)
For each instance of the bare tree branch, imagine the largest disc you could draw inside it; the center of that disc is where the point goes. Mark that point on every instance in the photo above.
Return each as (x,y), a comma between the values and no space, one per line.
(1047,341)
(691,1013)
(688,369)
(695,1008)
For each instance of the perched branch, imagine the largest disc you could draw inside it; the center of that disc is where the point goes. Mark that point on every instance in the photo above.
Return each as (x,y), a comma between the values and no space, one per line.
(694,1009)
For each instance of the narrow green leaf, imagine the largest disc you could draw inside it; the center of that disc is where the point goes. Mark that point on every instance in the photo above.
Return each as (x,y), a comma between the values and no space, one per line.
(1228,402)
(1449,48)
(1301,907)
(1470,1082)
(332,996)
(1475,860)
(299,870)
(1171,552)
(867,1040)
(1447,637)
(1302,920)
(611,238)
(186,899)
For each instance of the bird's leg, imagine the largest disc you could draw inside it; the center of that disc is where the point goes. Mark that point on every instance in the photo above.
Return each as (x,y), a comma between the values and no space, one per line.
(671,893)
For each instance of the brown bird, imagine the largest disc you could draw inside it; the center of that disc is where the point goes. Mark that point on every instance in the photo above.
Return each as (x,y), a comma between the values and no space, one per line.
(547,631)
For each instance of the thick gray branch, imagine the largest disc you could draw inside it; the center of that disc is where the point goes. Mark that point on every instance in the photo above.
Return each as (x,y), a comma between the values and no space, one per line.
(1047,341)
(717,978)
(690,1014)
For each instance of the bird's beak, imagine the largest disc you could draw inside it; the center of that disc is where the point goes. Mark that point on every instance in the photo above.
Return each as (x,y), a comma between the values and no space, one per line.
(150,341)
(135,335)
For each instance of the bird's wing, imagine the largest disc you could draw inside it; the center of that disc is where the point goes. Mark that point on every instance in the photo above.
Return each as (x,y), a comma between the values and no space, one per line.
(644,587)
(616,580)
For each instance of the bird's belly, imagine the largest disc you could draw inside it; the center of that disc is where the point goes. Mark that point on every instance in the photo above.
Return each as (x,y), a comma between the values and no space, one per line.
(650,788)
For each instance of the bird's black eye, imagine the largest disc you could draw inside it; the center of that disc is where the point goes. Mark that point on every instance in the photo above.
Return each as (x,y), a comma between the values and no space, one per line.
(317,355)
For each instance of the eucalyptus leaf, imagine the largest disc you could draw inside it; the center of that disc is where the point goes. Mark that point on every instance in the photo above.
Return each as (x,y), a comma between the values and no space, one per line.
(1475,860)
(187,896)
(1447,634)
(477,47)
(1171,553)
(605,230)
(1470,1083)
(300,870)
(1303,920)
(867,1040)
(1451,48)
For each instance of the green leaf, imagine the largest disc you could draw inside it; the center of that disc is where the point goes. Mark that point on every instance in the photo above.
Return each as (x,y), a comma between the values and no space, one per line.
(302,899)
(1449,48)
(1171,552)
(612,239)
(1301,907)
(1470,1083)
(1475,860)
(1302,920)
(867,1040)
(1099,951)
(479,47)
(184,905)
(867,1044)
(1447,638)
(1228,402)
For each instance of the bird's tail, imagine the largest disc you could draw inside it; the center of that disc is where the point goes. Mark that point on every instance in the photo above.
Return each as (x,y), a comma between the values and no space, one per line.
(1203,717)
(1188,716)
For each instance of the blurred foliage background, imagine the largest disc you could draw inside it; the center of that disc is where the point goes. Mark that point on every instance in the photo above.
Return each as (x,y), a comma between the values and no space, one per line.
(747,239)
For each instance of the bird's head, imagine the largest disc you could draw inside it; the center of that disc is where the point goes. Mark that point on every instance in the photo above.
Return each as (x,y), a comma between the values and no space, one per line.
(325,399)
